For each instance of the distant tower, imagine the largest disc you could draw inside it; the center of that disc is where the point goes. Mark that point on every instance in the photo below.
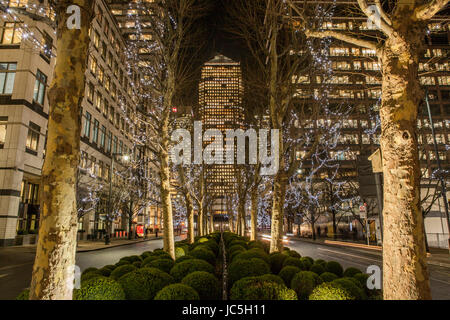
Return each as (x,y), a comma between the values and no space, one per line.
(220,100)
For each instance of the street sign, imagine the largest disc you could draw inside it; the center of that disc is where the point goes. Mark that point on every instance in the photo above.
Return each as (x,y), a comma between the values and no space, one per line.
(363,211)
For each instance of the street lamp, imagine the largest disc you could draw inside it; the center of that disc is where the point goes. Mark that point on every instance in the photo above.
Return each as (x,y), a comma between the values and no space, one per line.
(125,158)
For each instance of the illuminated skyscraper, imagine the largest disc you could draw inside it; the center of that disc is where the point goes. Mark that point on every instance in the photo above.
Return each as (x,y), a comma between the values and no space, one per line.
(220,100)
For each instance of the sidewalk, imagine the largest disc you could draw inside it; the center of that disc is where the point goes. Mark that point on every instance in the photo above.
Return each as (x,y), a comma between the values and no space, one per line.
(436,256)
(89,245)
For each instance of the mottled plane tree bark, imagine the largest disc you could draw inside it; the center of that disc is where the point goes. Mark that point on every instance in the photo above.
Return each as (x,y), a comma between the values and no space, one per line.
(53,270)
(403,26)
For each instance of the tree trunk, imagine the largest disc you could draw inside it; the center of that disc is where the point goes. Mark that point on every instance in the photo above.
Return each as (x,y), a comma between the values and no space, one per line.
(333,212)
(313,225)
(279,193)
(254,214)
(53,270)
(190,218)
(211,223)
(200,221)
(130,220)
(241,217)
(405,272)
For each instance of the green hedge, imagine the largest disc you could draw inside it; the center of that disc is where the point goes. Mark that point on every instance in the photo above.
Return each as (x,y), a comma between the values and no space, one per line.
(328,277)
(183,258)
(204,254)
(276,262)
(317,268)
(253,253)
(24,295)
(350,272)
(206,285)
(100,288)
(329,291)
(334,267)
(296,262)
(258,288)
(145,283)
(307,263)
(122,270)
(90,275)
(182,269)
(241,268)
(162,264)
(304,283)
(287,273)
(177,291)
(355,292)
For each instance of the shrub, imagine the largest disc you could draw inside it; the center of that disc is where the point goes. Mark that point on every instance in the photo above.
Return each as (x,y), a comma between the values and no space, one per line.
(145,283)
(203,239)
(179,252)
(307,262)
(213,246)
(287,273)
(317,268)
(355,292)
(273,278)
(234,254)
(323,263)
(162,264)
(148,260)
(182,269)
(204,254)
(328,291)
(350,272)
(334,267)
(183,258)
(122,263)
(293,262)
(276,262)
(362,278)
(294,254)
(137,264)
(132,259)
(242,268)
(100,288)
(24,295)
(253,253)
(328,277)
(146,254)
(160,254)
(304,283)
(90,275)
(256,244)
(105,271)
(206,285)
(257,288)
(234,248)
(238,243)
(177,291)
(122,270)
(89,270)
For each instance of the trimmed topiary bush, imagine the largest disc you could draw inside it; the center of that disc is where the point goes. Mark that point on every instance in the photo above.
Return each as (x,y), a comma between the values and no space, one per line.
(24,295)
(304,283)
(307,262)
(204,254)
(206,285)
(131,259)
(287,273)
(177,291)
(160,254)
(162,264)
(350,272)
(145,283)
(182,269)
(122,270)
(273,278)
(100,288)
(294,254)
(180,252)
(256,244)
(334,267)
(317,268)
(146,254)
(91,275)
(89,270)
(235,248)
(238,243)
(242,268)
(355,292)
(213,246)
(137,264)
(323,263)
(328,277)
(328,291)
(106,271)
(149,259)
(253,253)
(362,278)
(276,262)
(258,288)
(293,262)
(183,258)
(122,263)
